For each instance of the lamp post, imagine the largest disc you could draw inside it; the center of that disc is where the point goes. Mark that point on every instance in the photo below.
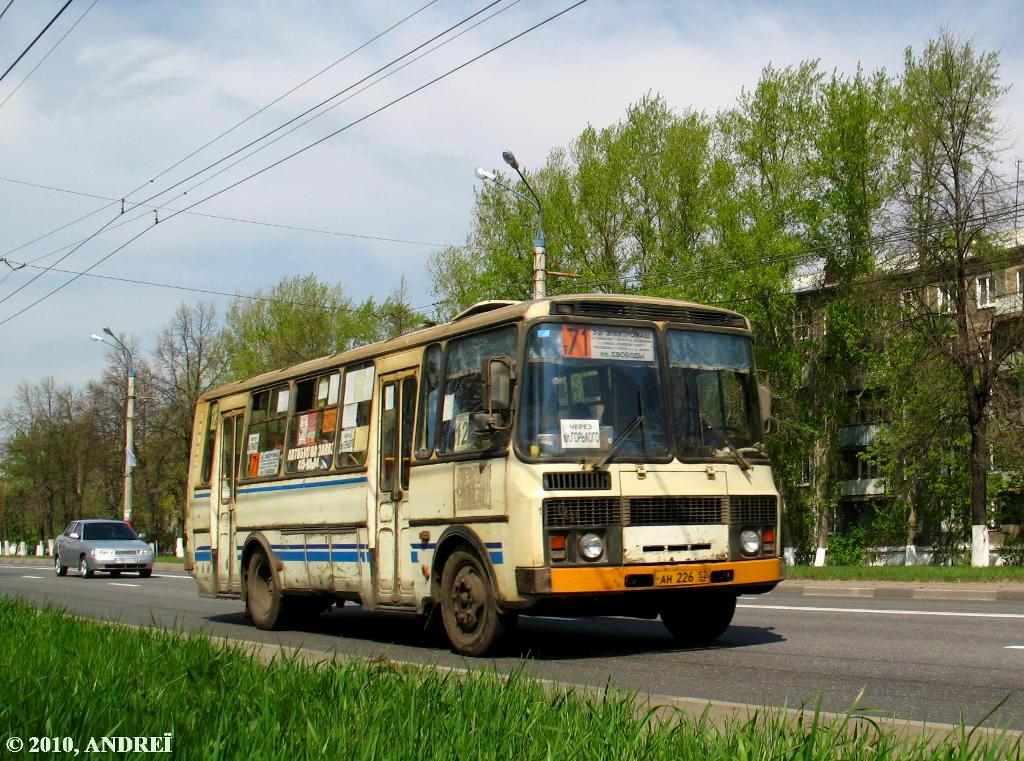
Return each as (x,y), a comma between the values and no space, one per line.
(129,424)
(539,252)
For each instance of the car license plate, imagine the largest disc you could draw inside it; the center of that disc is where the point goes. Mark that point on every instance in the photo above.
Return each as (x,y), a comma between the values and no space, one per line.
(681,577)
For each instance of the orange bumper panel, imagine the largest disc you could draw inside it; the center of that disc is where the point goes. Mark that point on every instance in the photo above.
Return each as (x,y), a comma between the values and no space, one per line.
(598,579)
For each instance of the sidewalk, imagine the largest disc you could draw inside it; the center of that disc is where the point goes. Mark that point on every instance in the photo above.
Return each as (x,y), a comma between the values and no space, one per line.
(917,590)
(47,562)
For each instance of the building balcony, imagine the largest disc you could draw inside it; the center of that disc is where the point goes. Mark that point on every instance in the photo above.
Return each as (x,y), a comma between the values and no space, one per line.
(862,487)
(1010,304)
(858,436)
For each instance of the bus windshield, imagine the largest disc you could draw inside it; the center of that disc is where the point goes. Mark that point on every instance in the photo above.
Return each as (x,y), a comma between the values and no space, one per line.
(584,385)
(714,395)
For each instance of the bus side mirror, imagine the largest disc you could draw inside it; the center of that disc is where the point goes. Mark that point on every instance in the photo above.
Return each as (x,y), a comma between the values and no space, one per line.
(498,377)
(499,384)
(764,398)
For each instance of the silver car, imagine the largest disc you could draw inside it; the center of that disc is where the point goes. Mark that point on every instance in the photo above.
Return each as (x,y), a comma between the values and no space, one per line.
(101,545)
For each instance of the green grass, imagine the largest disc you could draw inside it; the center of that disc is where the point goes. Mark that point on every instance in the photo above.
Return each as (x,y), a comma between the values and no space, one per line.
(948,574)
(66,677)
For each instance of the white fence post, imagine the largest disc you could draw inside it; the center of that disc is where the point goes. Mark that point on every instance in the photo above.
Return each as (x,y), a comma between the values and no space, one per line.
(21,549)
(179,548)
(49,547)
(39,549)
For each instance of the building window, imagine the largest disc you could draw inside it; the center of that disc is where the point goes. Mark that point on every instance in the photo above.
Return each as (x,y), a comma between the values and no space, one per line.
(802,324)
(856,467)
(943,300)
(986,291)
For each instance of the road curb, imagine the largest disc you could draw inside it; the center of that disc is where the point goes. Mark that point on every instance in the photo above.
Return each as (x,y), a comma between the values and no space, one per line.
(913,593)
(47,562)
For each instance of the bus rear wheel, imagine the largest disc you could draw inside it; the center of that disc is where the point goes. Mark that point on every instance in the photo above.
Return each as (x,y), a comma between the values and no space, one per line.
(698,620)
(263,600)
(469,609)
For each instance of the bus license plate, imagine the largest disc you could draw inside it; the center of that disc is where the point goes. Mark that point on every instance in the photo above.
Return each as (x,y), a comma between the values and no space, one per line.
(681,577)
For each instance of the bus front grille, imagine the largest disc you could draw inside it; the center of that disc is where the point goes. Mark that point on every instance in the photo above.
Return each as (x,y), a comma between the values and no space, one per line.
(566,512)
(757,509)
(578,480)
(673,511)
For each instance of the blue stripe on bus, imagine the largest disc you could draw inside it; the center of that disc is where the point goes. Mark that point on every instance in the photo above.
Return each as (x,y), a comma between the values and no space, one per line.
(323,553)
(202,494)
(306,485)
(494,551)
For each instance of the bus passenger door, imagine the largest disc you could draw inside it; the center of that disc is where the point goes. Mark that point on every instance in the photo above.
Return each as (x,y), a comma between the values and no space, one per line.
(397,405)
(224,553)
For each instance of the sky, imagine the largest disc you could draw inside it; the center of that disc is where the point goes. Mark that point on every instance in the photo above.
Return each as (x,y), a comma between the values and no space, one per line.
(133,88)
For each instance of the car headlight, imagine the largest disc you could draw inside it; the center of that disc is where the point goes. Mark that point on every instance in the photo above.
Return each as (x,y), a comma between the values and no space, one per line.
(146,553)
(750,542)
(591,546)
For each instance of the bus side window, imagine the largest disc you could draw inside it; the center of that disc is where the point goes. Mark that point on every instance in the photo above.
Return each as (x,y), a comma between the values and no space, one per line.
(426,425)
(464,390)
(211,435)
(264,440)
(354,425)
(313,425)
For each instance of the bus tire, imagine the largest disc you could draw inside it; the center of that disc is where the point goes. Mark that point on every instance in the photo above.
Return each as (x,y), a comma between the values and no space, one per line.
(469,609)
(264,602)
(699,620)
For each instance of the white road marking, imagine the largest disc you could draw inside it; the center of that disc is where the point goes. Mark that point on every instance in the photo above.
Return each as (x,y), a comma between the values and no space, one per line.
(881,611)
(1015,647)
(118,584)
(169,576)
(33,577)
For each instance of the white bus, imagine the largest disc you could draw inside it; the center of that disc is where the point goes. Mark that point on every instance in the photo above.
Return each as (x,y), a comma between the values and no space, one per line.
(574,455)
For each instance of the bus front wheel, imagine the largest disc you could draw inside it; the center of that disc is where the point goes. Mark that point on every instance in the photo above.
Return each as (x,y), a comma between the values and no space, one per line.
(263,600)
(469,609)
(698,620)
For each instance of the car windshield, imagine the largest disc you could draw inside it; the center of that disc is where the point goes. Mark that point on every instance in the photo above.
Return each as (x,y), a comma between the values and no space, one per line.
(108,531)
(584,385)
(714,397)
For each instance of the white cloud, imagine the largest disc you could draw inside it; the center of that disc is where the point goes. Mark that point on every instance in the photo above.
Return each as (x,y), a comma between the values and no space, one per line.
(138,86)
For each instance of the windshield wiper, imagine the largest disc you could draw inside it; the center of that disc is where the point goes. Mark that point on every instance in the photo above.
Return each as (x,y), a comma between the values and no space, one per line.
(618,442)
(725,440)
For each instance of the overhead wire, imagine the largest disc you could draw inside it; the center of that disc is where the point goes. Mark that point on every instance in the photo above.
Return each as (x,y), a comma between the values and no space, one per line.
(164,206)
(296,228)
(323,102)
(9,4)
(210,142)
(42,60)
(281,97)
(302,150)
(38,36)
(109,223)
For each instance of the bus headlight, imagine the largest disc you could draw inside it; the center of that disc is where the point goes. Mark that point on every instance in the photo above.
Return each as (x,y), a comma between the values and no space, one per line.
(750,542)
(591,546)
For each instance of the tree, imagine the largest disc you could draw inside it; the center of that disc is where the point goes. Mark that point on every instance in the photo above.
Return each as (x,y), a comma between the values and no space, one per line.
(298,319)
(188,360)
(951,148)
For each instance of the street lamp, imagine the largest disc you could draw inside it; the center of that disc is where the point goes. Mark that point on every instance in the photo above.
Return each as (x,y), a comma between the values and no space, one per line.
(129,423)
(539,256)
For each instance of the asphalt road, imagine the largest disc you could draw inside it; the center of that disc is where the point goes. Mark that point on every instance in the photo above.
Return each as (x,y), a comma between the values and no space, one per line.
(926,660)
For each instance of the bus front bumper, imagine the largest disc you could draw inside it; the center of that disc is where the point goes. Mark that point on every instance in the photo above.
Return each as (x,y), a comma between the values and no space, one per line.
(755,575)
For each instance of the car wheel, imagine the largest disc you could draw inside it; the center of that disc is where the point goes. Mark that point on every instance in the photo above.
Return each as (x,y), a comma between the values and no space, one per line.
(59,568)
(263,600)
(83,568)
(145,573)
(469,610)
(114,574)
(697,620)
